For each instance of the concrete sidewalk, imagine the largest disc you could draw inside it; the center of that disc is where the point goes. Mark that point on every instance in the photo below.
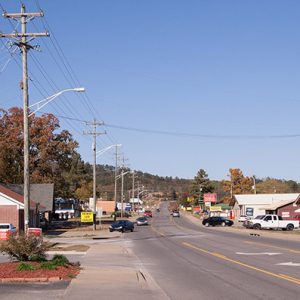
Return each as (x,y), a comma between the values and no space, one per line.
(110,271)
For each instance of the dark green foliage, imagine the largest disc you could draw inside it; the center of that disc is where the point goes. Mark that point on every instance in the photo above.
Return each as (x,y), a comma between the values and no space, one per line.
(60,260)
(25,248)
(25,267)
(48,265)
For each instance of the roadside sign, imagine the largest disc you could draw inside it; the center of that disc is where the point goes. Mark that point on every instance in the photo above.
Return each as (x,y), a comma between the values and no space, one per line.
(210,197)
(86,217)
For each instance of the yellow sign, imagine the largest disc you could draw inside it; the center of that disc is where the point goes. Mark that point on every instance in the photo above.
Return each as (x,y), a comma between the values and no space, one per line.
(215,208)
(86,217)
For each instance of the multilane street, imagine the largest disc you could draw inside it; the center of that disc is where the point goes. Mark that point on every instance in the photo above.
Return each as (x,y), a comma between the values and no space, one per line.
(192,262)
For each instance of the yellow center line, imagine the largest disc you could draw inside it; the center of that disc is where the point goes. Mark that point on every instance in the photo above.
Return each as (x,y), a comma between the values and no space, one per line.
(272,246)
(280,276)
(156,231)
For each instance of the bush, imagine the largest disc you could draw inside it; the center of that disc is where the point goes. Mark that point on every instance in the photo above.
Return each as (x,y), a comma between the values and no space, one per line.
(48,265)
(60,260)
(26,248)
(25,267)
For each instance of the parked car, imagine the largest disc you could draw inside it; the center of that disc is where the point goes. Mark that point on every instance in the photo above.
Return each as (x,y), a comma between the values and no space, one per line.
(126,214)
(213,221)
(6,230)
(272,222)
(243,218)
(122,226)
(148,213)
(142,221)
(176,214)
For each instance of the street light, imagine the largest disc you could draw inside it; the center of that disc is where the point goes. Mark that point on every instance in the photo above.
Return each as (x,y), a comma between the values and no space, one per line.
(42,103)
(98,153)
(26,150)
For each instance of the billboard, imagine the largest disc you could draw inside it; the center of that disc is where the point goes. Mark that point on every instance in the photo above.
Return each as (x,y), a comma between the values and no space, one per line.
(210,197)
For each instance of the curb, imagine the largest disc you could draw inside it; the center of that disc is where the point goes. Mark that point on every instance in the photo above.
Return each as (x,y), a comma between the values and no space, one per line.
(44,279)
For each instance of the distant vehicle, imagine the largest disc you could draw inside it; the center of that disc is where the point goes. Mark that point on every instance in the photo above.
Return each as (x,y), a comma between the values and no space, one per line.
(176,214)
(142,221)
(243,218)
(272,222)
(6,230)
(215,221)
(125,214)
(122,226)
(148,213)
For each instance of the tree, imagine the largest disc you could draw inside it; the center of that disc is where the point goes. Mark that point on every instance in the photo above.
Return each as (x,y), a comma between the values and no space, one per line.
(238,184)
(51,152)
(201,185)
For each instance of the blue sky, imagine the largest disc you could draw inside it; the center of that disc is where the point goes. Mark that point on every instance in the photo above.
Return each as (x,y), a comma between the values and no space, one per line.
(223,75)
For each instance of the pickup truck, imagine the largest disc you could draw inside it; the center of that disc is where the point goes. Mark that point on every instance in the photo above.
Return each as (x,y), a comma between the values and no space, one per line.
(272,222)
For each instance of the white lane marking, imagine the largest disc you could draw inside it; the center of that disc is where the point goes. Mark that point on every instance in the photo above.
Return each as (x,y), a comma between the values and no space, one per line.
(260,253)
(291,264)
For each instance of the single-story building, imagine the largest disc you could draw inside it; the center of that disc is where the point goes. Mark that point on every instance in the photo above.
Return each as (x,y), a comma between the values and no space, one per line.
(12,209)
(288,209)
(253,205)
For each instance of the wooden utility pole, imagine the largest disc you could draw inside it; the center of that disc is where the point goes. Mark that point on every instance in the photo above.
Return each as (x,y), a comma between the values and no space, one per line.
(94,133)
(22,42)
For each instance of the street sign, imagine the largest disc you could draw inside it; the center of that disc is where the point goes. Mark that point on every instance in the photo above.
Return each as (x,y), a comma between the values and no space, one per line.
(86,217)
(210,197)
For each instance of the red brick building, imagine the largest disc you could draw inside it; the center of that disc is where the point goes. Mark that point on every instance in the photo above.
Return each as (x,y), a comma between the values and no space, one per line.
(12,209)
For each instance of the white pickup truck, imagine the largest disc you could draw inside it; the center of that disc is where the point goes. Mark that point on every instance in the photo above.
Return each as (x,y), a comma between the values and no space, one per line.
(272,222)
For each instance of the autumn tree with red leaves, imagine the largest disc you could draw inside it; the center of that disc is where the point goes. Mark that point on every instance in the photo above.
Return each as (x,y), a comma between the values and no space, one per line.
(52,153)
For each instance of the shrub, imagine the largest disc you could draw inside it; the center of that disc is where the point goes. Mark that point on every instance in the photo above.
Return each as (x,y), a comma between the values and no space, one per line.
(48,265)
(25,248)
(25,267)
(60,260)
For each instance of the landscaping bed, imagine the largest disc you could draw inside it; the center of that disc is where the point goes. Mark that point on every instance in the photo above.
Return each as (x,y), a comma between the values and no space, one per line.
(9,272)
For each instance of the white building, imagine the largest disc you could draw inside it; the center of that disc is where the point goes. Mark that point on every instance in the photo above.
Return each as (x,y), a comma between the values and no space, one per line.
(256,204)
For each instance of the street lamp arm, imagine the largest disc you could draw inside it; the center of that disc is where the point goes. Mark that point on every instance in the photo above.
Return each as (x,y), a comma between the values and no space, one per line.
(44,102)
(102,151)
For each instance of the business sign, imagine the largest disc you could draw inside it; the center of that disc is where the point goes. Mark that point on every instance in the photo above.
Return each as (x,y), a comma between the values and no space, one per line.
(215,208)
(86,217)
(210,197)
(249,211)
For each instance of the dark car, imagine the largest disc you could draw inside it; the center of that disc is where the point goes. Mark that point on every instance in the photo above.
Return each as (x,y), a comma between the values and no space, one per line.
(142,221)
(125,214)
(122,226)
(214,221)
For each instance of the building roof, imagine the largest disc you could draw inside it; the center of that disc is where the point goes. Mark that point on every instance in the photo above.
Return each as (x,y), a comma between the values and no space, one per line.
(42,193)
(275,206)
(15,196)
(265,199)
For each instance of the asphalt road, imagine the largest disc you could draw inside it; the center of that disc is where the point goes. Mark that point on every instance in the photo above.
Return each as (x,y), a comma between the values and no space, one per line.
(192,262)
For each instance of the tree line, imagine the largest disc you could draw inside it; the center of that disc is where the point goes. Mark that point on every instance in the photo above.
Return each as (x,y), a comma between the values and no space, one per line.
(54,158)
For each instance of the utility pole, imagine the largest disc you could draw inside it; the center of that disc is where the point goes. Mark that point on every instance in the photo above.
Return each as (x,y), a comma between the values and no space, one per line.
(94,133)
(254,184)
(116,171)
(22,42)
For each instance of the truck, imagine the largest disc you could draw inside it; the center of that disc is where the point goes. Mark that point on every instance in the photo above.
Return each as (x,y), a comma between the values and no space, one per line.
(272,222)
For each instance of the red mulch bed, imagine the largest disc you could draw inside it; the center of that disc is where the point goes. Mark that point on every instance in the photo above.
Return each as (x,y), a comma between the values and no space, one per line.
(9,270)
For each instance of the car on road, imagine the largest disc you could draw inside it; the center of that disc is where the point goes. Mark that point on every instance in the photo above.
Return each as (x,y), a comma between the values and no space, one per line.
(118,214)
(243,218)
(176,214)
(142,221)
(122,226)
(148,213)
(215,221)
